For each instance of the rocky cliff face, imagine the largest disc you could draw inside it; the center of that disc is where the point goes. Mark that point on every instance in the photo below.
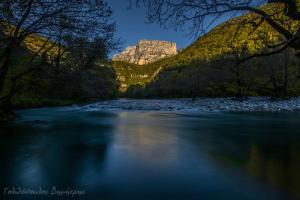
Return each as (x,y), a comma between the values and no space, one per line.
(147,51)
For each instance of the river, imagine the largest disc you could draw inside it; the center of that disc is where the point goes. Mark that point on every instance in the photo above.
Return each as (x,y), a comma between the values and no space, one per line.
(95,153)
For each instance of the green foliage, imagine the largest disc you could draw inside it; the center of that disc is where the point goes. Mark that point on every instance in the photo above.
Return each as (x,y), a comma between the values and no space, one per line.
(78,79)
(132,74)
(219,78)
(69,86)
(135,91)
(207,67)
(233,34)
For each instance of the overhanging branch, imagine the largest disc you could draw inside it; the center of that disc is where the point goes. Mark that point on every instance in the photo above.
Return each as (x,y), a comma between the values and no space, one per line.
(268,53)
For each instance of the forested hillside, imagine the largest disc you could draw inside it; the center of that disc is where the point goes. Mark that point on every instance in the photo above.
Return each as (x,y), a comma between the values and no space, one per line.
(45,82)
(55,53)
(208,66)
(133,74)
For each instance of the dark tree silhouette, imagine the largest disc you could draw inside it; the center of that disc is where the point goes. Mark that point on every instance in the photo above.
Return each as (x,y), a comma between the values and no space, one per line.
(20,19)
(23,20)
(201,14)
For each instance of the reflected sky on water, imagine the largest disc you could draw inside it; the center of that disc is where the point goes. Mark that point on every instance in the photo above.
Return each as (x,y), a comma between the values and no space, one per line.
(153,155)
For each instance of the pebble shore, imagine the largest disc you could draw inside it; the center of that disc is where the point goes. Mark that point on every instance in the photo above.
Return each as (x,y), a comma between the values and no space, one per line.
(255,104)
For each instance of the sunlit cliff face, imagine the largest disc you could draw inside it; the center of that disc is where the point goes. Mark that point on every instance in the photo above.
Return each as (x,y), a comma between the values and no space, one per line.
(147,51)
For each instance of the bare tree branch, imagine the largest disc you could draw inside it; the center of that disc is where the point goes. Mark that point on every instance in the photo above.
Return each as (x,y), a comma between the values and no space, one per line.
(287,45)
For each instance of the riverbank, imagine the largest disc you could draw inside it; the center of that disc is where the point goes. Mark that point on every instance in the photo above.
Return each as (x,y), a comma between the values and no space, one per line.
(28,103)
(253,104)
(41,103)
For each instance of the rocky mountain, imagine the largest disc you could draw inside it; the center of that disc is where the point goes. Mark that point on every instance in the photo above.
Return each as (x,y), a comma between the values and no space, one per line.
(147,51)
(214,45)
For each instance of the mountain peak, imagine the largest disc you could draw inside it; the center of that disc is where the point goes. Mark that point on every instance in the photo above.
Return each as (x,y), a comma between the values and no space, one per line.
(147,51)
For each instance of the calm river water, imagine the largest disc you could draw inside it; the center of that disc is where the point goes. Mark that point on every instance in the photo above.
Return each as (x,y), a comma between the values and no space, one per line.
(55,153)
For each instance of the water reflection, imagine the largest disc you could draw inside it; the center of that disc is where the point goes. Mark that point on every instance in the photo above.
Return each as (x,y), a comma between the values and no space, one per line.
(279,168)
(55,152)
(265,146)
(151,155)
(140,137)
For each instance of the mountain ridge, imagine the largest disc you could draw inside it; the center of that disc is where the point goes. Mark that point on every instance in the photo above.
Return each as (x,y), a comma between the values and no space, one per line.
(220,42)
(147,51)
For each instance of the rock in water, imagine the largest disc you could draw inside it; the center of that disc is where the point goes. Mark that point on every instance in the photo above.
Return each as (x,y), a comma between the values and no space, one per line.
(147,51)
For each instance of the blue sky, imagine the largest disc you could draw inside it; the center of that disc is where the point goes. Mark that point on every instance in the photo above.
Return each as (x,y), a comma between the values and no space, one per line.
(132,26)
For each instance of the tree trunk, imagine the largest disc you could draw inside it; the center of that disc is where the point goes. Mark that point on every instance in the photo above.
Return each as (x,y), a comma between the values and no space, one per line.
(240,82)
(4,65)
(6,113)
(296,46)
(286,74)
(298,56)
(274,80)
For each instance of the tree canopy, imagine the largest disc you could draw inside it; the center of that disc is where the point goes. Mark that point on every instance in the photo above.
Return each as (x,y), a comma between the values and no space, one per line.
(201,14)
(57,32)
